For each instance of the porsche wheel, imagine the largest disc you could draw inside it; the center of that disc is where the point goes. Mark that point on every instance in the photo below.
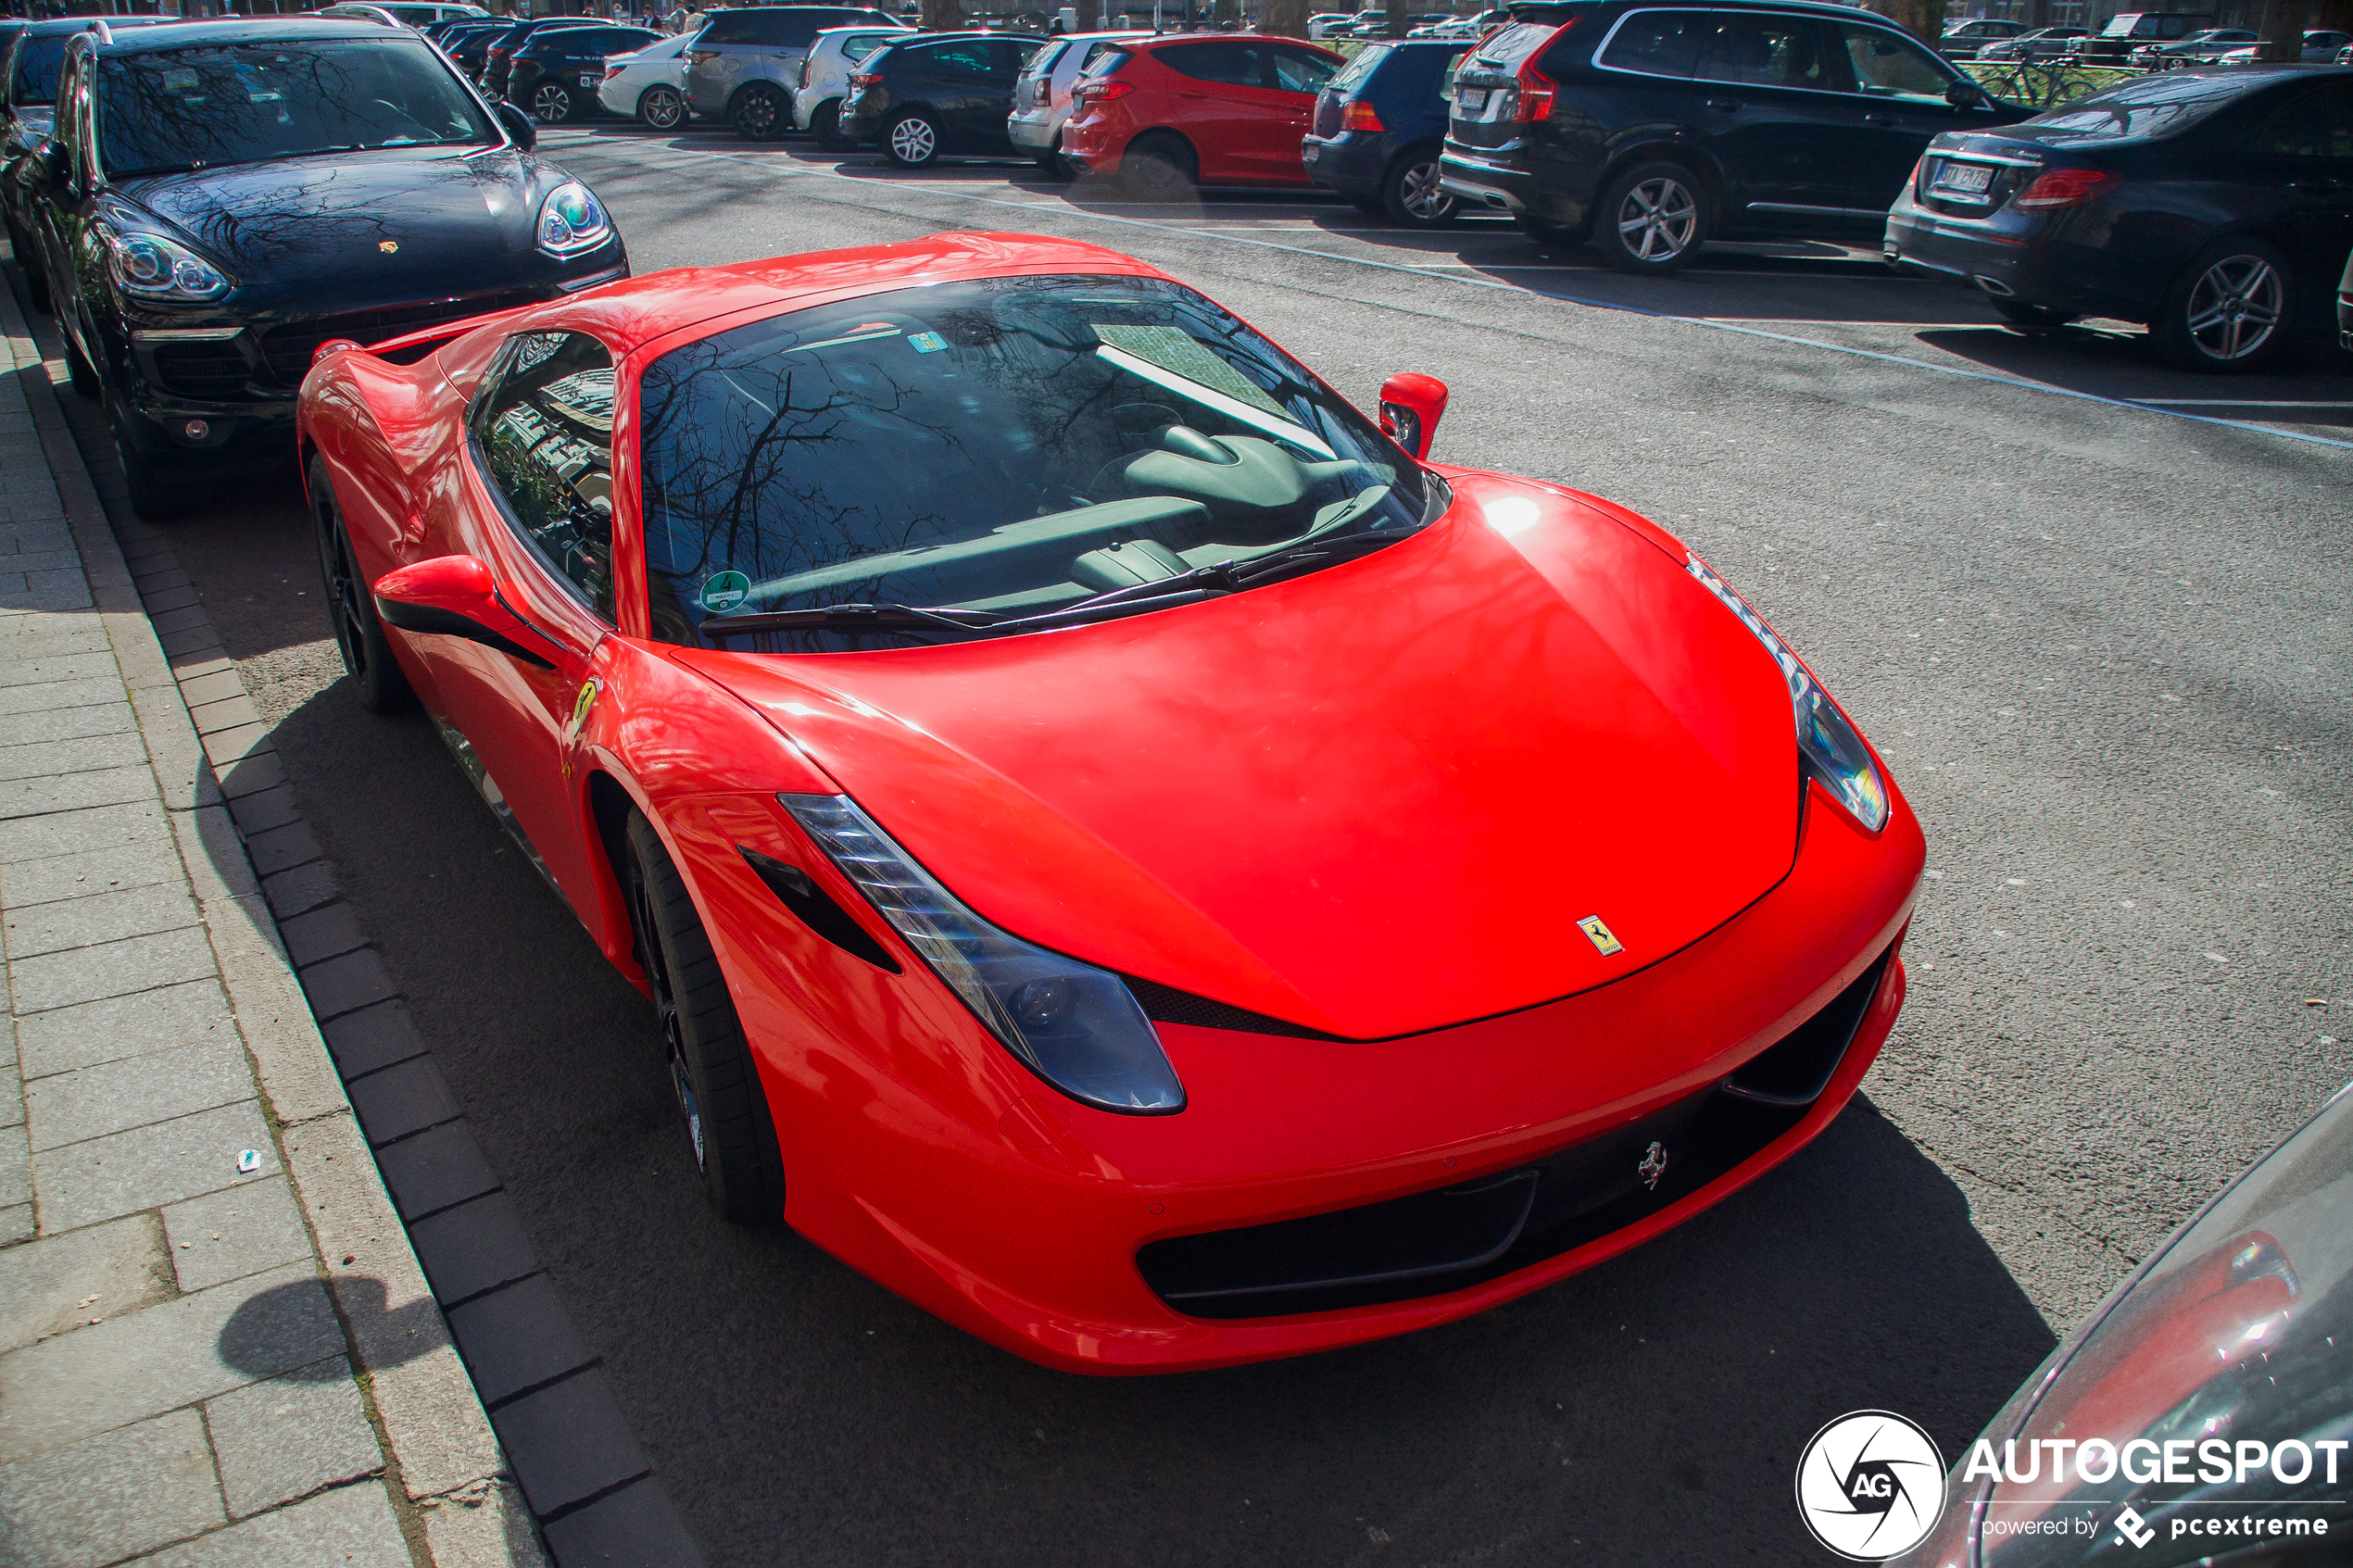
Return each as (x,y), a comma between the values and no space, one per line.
(551,103)
(663,108)
(708,1060)
(351,608)
(760,113)
(913,140)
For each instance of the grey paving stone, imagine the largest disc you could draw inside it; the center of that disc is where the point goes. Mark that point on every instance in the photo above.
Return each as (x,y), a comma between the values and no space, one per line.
(111,968)
(199,689)
(262,810)
(305,887)
(569,1442)
(226,714)
(226,746)
(60,1283)
(44,695)
(66,1038)
(475,1248)
(404,1098)
(372,1038)
(16,1223)
(434,1170)
(199,659)
(349,1527)
(103,917)
(251,776)
(100,1178)
(189,1348)
(80,875)
(96,664)
(355,979)
(80,833)
(282,847)
(109,1496)
(82,754)
(636,1525)
(189,638)
(67,724)
(91,1102)
(11,1092)
(323,933)
(289,1436)
(228,1235)
(71,792)
(16,1167)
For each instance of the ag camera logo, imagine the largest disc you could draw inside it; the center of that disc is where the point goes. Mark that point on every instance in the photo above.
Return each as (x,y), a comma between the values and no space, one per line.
(1871,1486)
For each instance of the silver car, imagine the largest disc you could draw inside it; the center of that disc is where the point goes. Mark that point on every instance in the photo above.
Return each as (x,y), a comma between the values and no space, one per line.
(744,66)
(824,78)
(1041,95)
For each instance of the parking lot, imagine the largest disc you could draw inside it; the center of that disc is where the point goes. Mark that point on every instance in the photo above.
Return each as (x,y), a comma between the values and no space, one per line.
(2093,612)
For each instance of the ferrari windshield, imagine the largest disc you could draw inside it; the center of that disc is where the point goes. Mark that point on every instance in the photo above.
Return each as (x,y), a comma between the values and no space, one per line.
(175,109)
(1004,448)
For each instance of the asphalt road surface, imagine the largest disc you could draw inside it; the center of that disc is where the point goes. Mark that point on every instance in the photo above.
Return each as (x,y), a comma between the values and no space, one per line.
(2104,646)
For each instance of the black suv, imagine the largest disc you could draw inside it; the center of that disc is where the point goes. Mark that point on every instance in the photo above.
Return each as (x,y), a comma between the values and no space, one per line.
(555,73)
(1652,129)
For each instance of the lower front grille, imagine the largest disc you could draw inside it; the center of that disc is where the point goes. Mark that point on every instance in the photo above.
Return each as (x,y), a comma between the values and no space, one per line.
(202,368)
(1449,1239)
(288,348)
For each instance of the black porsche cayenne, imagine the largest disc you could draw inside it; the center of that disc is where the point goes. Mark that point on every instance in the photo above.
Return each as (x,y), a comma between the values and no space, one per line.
(2215,205)
(219,199)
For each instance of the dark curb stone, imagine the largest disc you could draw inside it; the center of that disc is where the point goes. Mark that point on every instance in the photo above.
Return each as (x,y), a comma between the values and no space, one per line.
(405,1098)
(305,887)
(355,979)
(172,599)
(569,1442)
(517,1338)
(251,776)
(473,1247)
(373,1038)
(323,933)
(635,1527)
(435,1169)
(270,809)
(281,849)
(177,620)
(190,638)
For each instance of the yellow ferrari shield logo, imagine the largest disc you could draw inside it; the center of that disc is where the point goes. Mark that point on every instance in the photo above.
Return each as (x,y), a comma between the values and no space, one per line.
(1605,941)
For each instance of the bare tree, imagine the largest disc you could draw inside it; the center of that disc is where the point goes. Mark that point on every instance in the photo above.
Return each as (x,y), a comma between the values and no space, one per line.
(1400,19)
(1923,18)
(943,16)
(1287,19)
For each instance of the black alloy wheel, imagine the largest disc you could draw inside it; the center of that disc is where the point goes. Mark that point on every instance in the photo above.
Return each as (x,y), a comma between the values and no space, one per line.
(351,608)
(551,103)
(911,140)
(2228,311)
(1652,218)
(1411,195)
(1158,168)
(662,108)
(760,113)
(708,1060)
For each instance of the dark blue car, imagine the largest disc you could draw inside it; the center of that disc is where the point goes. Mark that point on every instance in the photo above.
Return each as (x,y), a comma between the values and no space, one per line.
(1379,127)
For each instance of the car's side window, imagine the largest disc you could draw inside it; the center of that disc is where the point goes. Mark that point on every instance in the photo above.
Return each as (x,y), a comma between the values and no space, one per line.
(1299,71)
(1889,66)
(1012,54)
(956,59)
(544,430)
(1658,42)
(1763,50)
(1237,65)
(2312,126)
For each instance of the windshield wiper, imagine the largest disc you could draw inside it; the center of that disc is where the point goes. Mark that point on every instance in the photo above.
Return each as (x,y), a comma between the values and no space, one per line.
(852,618)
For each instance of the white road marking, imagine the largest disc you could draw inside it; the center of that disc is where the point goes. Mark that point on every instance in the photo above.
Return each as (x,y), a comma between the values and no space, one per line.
(2144,407)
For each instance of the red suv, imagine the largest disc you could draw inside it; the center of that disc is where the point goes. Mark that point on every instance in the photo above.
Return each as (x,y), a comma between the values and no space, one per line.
(1165,114)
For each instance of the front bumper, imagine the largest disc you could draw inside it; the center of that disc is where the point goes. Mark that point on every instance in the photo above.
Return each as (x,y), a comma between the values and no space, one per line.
(1022,1219)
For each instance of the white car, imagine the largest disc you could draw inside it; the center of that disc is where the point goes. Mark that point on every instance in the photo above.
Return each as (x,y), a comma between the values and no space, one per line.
(650,84)
(1324,23)
(824,78)
(1041,95)
(393,15)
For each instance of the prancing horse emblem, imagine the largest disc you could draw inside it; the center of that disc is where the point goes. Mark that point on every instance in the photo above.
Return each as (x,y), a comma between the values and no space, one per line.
(1653,1165)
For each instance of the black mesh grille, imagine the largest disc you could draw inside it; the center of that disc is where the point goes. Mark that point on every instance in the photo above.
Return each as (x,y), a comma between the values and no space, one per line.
(202,369)
(288,348)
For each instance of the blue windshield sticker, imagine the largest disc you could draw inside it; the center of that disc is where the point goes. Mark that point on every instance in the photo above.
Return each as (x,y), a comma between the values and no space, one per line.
(928,343)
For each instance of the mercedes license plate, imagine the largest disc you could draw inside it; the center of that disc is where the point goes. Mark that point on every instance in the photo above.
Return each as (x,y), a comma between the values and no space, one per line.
(1963,179)
(1470,99)
(590,81)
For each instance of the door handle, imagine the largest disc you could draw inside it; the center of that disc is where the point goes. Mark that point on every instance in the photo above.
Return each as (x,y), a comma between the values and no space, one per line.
(1725,103)
(1879,120)
(1188,93)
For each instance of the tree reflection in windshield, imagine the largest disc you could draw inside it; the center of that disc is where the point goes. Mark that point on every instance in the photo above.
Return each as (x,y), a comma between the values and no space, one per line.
(196,109)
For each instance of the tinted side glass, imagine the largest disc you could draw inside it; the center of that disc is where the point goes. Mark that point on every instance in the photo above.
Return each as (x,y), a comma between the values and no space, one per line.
(1299,71)
(738,27)
(1767,51)
(1512,48)
(865,43)
(1234,64)
(951,59)
(1360,67)
(545,433)
(1887,65)
(1103,58)
(1656,42)
(1011,55)
(1049,57)
(2317,125)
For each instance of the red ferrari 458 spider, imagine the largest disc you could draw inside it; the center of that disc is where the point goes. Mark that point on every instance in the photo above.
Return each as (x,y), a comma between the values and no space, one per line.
(1122,850)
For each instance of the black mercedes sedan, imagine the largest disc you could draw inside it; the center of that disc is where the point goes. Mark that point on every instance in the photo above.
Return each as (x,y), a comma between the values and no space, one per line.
(2214,205)
(220,197)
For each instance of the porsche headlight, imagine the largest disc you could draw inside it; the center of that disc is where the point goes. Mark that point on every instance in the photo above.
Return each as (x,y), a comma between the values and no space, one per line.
(1076,1026)
(572,220)
(1827,744)
(153,267)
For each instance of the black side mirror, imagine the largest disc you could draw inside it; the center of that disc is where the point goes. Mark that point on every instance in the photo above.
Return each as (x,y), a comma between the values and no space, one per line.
(1966,95)
(517,125)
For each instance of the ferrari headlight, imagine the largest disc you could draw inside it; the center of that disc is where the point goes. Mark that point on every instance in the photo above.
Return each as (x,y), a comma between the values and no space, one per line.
(572,220)
(153,267)
(1076,1026)
(1827,744)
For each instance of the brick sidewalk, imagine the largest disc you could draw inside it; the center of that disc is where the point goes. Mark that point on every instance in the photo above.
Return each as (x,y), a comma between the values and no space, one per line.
(216,1347)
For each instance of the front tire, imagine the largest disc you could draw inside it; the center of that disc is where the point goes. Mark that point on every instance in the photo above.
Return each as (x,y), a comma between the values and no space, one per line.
(1411,195)
(729,1125)
(662,108)
(760,114)
(912,141)
(551,103)
(2228,311)
(351,607)
(1653,219)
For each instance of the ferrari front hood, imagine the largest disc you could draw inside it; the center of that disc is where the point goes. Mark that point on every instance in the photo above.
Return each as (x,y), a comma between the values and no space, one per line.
(1374,800)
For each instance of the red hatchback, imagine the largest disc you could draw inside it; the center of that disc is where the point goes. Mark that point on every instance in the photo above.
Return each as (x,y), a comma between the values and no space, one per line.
(1165,114)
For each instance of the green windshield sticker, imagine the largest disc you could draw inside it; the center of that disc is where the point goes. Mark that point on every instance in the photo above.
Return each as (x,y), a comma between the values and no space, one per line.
(1176,351)
(928,343)
(723,591)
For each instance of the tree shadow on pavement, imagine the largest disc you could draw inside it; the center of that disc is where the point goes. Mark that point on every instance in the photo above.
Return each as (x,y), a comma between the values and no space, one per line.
(2115,360)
